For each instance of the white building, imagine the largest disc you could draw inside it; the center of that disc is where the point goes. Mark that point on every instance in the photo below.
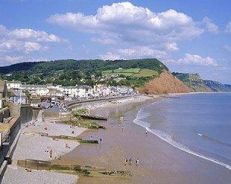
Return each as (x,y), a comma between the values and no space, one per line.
(14,84)
(17,96)
(125,90)
(70,91)
(101,90)
(40,90)
(82,91)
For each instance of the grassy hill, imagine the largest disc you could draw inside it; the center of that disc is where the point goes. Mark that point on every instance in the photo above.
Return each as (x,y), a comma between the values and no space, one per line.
(133,73)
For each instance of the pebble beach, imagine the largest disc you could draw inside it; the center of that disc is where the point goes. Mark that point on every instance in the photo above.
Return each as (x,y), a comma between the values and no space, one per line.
(32,144)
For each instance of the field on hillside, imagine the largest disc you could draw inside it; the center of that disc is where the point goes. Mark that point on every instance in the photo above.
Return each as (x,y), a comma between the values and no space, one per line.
(131,72)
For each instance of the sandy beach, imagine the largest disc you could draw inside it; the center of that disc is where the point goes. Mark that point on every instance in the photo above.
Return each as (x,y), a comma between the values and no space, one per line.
(34,143)
(158,162)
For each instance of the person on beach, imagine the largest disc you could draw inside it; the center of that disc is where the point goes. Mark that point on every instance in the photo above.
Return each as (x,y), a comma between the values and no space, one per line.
(126,161)
(137,162)
(146,132)
(51,153)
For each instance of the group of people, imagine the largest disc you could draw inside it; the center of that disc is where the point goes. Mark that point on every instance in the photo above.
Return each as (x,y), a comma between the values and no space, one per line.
(50,151)
(129,162)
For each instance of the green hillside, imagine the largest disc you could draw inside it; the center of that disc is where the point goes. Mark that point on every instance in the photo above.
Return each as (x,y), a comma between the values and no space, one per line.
(132,72)
(71,72)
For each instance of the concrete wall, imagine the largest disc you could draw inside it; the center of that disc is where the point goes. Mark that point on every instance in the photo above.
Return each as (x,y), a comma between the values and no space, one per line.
(11,138)
(21,114)
(35,114)
(26,113)
(14,109)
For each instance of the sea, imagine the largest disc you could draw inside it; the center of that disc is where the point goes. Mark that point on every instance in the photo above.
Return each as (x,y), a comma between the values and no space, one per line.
(197,124)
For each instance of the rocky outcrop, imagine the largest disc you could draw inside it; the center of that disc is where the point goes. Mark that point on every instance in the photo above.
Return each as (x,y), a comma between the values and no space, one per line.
(165,83)
(197,84)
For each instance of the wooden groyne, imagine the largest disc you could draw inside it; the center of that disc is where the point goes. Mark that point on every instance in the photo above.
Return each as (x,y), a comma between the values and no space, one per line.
(80,140)
(93,117)
(71,169)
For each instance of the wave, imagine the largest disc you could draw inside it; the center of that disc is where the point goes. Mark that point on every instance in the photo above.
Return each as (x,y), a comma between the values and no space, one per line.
(168,139)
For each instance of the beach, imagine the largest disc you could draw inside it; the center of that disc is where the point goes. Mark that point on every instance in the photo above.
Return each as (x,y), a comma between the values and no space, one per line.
(150,160)
(159,162)
(34,144)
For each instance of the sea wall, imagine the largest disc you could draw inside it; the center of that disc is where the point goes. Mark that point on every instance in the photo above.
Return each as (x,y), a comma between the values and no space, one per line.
(20,114)
(8,145)
(26,113)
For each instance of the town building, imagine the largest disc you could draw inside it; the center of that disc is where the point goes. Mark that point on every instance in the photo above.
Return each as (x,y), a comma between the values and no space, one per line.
(14,84)
(18,96)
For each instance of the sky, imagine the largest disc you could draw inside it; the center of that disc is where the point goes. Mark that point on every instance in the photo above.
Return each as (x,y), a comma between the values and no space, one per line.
(188,36)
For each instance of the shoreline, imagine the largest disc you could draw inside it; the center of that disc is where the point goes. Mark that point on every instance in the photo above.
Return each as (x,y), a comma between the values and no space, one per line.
(118,145)
(120,140)
(35,132)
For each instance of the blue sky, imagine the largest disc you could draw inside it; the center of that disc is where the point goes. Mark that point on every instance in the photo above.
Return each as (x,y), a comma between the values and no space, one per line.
(188,36)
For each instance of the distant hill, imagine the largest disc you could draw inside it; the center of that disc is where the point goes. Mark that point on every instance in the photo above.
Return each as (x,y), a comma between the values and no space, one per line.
(197,84)
(217,86)
(18,67)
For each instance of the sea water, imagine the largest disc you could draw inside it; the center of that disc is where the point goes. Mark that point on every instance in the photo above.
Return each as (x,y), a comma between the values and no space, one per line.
(197,124)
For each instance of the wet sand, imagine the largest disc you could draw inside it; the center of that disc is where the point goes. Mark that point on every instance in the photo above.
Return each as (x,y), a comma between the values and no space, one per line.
(159,162)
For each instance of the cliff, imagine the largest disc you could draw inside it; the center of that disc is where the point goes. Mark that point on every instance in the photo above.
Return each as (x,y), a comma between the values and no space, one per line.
(165,83)
(197,84)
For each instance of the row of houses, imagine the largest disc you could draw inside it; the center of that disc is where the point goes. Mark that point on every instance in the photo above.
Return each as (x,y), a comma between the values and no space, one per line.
(68,92)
